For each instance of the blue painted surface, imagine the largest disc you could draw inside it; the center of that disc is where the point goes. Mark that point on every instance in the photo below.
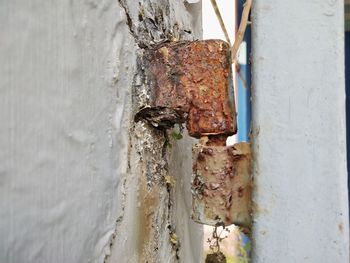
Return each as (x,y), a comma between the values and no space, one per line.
(243,97)
(243,89)
(347,89)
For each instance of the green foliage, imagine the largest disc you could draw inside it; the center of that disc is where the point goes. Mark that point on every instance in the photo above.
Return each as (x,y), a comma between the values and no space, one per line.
(243,251)
(176,135)
(231,260)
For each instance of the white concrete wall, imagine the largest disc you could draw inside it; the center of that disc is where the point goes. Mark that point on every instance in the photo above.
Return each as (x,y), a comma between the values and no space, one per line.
(301,208)
(66,164)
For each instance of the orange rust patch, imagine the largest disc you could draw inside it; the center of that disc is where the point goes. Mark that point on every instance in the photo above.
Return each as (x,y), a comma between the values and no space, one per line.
(193,79)
(341,227)
(148,203)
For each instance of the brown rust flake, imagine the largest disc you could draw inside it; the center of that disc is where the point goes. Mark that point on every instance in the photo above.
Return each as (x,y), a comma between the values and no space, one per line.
(193,78)
(221,189)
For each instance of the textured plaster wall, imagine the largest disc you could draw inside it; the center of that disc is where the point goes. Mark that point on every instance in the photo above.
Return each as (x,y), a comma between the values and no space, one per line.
(79,182)
(301,212)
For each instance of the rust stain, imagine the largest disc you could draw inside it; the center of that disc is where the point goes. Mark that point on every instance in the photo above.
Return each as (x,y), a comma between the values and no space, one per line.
(341,228)
(192,79)
(148,202)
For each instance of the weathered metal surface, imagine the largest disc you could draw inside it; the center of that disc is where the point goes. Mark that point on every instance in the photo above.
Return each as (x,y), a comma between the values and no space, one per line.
(221,187)
(191,80)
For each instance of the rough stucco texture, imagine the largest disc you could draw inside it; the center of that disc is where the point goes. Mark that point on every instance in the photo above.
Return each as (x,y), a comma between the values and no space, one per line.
(301,212)
(65,89)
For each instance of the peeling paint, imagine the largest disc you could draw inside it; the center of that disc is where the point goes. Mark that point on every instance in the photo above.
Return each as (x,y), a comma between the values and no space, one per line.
(151,220)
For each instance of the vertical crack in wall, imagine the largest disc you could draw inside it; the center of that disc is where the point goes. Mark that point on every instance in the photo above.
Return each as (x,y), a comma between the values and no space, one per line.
(128,18)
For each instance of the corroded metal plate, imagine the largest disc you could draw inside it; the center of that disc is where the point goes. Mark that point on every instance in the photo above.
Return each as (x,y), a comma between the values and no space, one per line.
(221,187)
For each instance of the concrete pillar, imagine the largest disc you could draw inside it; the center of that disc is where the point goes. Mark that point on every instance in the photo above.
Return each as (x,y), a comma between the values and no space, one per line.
(298,127)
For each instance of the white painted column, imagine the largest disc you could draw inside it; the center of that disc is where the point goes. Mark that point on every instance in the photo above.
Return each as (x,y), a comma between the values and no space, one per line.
(298,109)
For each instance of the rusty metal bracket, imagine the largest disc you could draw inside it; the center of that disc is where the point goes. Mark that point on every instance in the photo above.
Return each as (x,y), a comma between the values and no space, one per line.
(221,187)
(190,81)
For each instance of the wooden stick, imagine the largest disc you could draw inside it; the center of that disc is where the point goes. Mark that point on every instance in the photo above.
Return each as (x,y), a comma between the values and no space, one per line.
(221,21)
(241,30)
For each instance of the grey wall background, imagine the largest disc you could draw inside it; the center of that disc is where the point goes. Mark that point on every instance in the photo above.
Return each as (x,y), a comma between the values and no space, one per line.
(69,180)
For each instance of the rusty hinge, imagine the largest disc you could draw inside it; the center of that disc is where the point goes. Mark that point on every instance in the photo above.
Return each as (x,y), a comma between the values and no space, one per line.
(190,81)
(221,187)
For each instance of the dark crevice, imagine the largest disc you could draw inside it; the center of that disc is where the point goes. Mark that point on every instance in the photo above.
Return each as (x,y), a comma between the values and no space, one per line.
(130,24)
(128,18)
(174,242)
